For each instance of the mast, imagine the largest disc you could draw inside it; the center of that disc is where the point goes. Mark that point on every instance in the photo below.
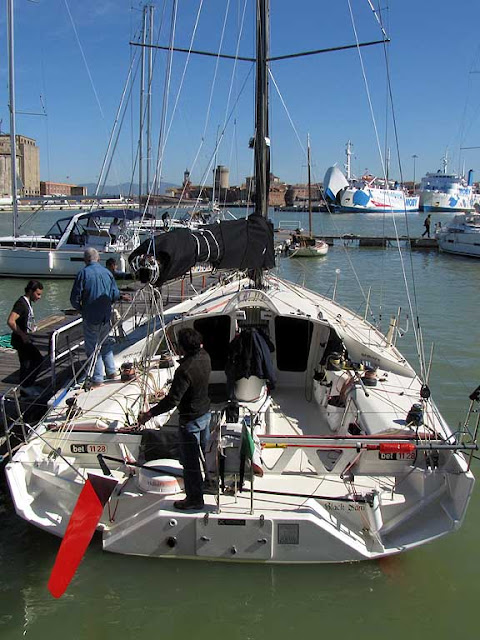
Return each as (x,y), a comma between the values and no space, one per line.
(262,140)
(142,94)
(149,96)
(309,188)
(13,133)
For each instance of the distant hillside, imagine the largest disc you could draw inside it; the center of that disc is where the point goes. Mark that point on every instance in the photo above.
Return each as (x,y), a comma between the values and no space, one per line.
(122,189)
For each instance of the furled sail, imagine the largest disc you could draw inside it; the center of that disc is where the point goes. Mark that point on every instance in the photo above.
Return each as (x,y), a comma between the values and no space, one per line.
(232,244)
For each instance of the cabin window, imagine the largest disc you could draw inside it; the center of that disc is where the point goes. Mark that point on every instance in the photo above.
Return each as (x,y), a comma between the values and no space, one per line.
(215,332)
(292,342)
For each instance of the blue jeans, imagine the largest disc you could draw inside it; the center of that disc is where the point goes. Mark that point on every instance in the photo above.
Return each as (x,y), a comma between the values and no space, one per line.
(193,436)
(94,334)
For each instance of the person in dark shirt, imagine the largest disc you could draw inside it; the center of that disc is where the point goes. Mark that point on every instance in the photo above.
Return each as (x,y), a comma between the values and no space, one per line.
(426,224)
(22,322)
(189,392)
(93,292)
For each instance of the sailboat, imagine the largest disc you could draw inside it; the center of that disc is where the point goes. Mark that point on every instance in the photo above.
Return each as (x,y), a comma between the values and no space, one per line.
(308,246)
(332,451)
(58,253)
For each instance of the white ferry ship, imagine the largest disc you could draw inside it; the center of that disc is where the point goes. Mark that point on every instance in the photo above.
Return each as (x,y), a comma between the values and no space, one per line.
(442,191)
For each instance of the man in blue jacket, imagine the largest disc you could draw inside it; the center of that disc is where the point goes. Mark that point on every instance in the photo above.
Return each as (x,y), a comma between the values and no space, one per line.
(93,292)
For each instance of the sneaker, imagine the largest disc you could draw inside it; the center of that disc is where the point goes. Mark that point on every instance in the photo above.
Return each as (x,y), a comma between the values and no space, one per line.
(188,504)
(112,376)
(96,383)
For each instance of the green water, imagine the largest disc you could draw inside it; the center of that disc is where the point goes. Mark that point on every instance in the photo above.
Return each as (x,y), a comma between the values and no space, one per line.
(431,592)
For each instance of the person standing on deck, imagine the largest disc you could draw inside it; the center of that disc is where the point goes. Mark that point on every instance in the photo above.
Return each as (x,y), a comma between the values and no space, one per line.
(426,224)
(189,391)
(92,294)
(22,323)
(114,230)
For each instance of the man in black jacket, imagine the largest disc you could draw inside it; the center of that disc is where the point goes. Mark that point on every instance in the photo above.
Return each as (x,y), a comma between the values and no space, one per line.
(189,392)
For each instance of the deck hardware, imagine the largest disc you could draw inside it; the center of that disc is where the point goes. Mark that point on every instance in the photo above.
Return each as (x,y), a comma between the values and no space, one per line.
(172,522)
(205,539)
(205,518)
(172,542)
(262,520)
(233,550)
(262,540)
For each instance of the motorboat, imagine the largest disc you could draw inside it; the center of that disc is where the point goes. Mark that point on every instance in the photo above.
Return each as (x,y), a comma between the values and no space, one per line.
(59,252)
(461,235)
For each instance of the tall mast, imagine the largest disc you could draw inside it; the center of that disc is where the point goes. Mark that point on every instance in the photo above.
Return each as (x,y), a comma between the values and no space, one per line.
(142,94)
(151,9)
(309,189)
(13,133)
(262,140)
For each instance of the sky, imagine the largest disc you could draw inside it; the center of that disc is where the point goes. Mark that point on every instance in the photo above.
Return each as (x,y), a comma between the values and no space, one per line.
(72,60)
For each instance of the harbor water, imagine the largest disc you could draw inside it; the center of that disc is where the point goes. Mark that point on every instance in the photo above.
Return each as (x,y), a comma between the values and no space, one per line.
(431,592)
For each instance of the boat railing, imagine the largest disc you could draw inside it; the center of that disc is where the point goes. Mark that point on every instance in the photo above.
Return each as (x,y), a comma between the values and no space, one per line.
(12,424)
(65,341)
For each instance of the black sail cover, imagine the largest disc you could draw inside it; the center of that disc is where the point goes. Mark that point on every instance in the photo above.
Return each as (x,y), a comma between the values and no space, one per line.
(232,244)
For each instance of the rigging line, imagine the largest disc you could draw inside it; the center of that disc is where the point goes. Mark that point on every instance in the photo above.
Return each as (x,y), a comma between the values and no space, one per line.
(377,18)
(166,90)
(419,351)
(114,129)
(222,133)
(416,325)
(84,58)
(207,117)
(182,80)
(287,112)
(227,115)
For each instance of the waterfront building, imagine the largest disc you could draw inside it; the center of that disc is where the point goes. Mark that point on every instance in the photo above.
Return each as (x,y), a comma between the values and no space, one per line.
(28,166)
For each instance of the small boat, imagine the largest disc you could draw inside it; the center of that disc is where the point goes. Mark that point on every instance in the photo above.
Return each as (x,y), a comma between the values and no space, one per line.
(307,246)
(443,191)
(461,235)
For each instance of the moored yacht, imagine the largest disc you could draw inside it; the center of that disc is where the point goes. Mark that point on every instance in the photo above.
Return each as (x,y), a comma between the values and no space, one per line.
(326,444)
(461,235)
(59,252)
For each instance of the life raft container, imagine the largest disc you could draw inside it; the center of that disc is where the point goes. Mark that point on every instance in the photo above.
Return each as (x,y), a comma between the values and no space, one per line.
(164,478)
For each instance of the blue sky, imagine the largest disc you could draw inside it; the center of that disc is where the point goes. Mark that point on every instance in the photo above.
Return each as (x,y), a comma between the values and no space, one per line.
(72,59)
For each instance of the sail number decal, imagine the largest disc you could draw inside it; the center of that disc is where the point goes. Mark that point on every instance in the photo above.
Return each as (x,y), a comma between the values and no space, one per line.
(88,448)
(409,455)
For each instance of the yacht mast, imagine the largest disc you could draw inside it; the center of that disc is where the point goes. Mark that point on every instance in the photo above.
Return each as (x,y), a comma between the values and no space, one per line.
(262,141)
(309,189)
(11,106)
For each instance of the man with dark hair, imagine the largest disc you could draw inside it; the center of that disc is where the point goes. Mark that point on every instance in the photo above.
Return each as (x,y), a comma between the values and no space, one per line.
(22,322)
(111,265)
(189,391)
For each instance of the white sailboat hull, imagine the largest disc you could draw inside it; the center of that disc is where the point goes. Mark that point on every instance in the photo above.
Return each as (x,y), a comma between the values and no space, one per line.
(327,494)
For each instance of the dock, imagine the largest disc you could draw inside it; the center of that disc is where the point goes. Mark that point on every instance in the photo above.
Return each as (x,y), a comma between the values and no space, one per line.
(355,240)
(59,338)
